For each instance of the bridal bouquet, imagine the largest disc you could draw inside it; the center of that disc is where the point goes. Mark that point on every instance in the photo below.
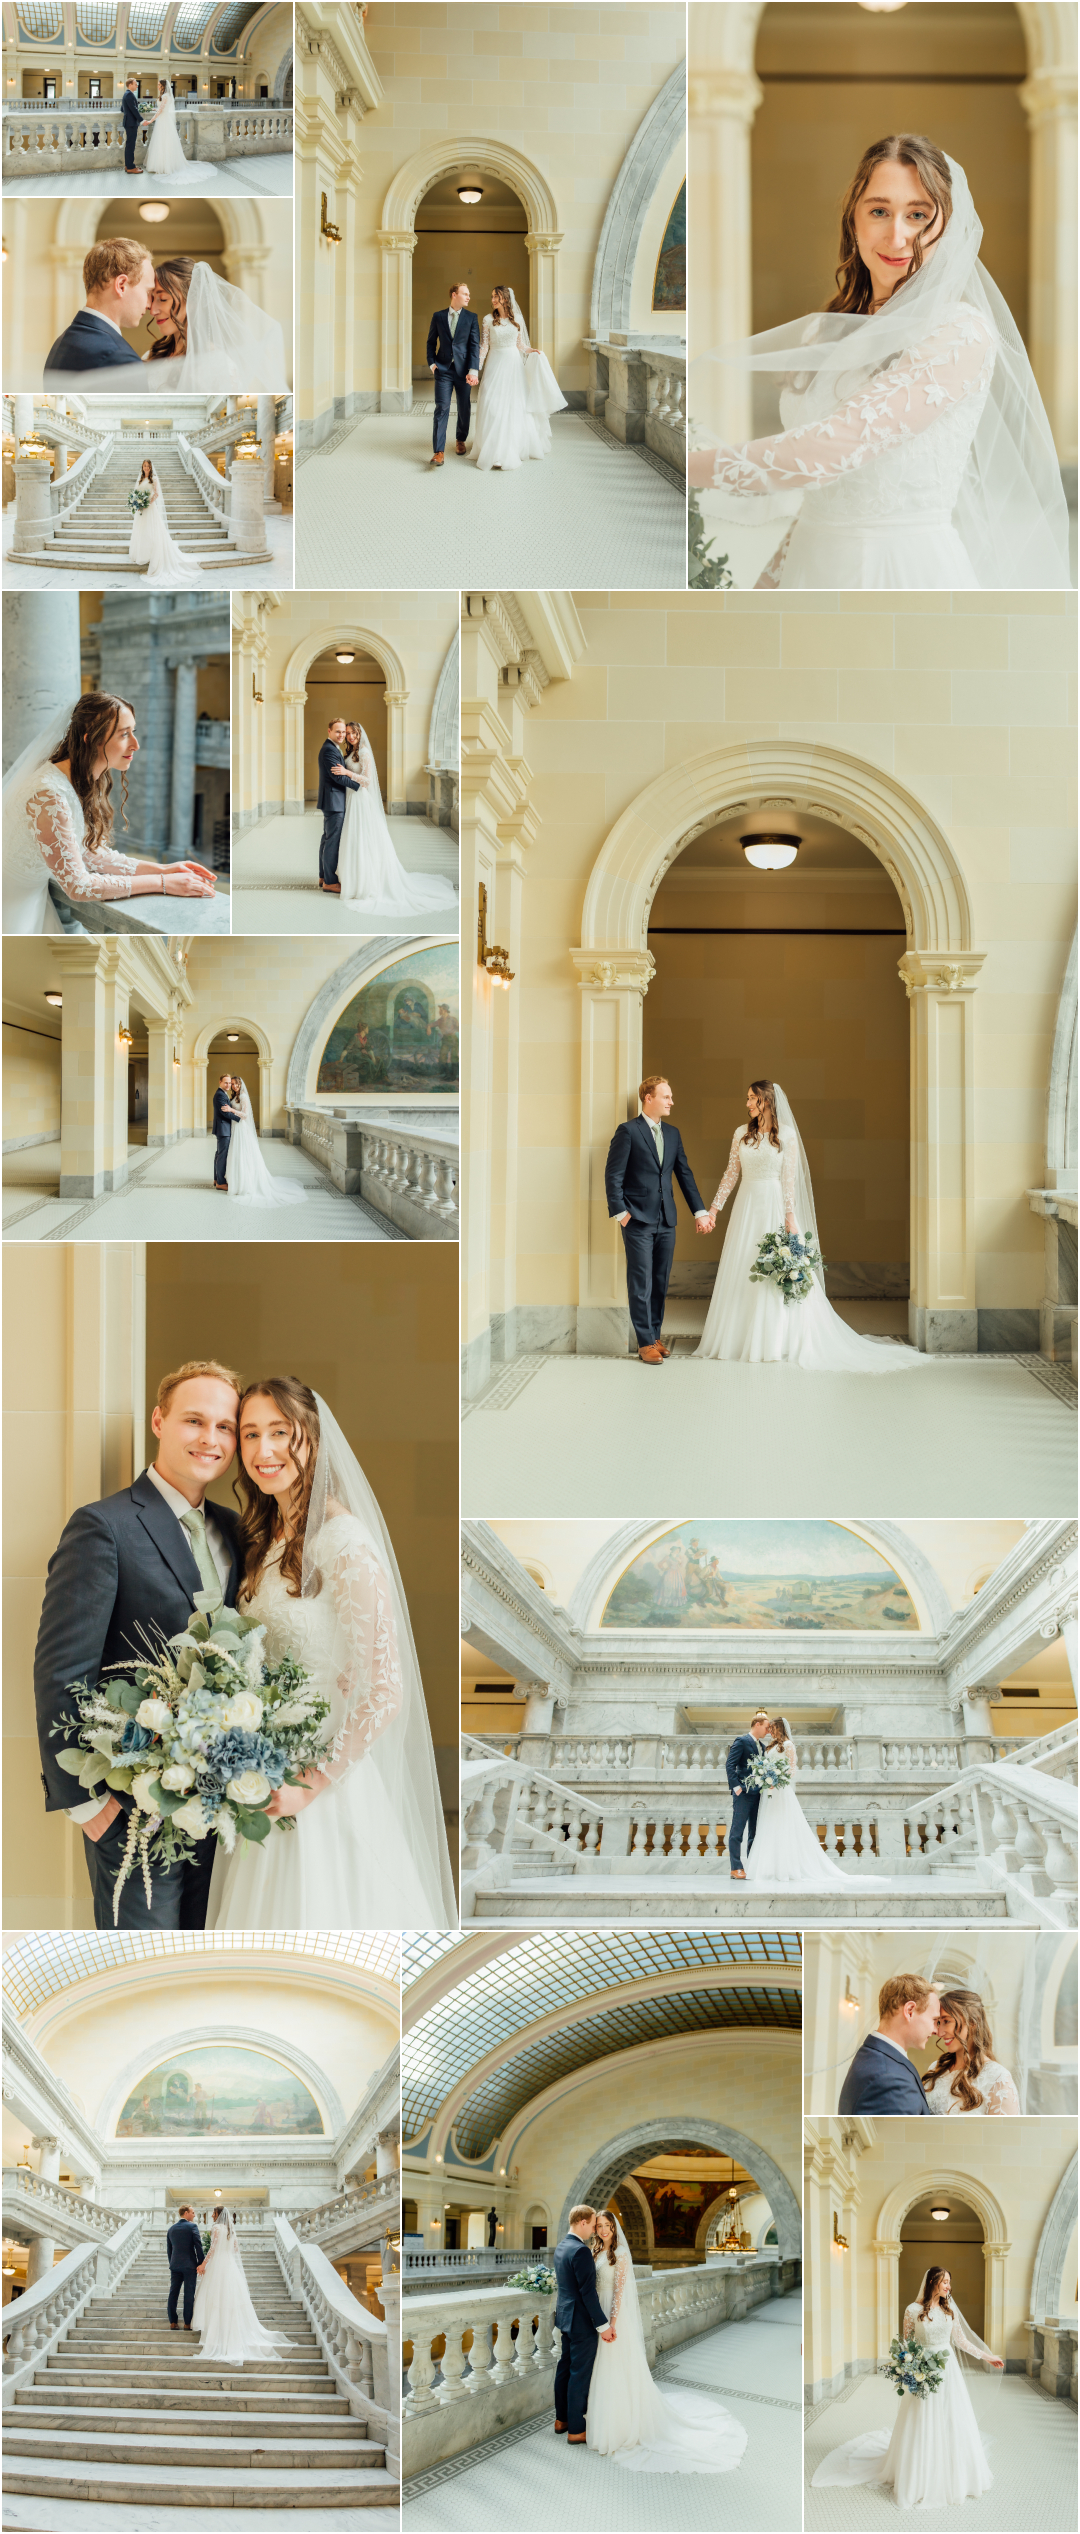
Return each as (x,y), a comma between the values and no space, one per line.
(201,1736)
(768,1772)
(139,497)
(912,2369)
(787,1260)
(535,2276)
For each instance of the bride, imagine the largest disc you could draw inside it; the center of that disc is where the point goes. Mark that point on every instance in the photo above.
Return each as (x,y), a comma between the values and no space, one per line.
(519,393)
(967,2079)
(935,2454)
(250,1182)
(58,819)
(368,867)
(165,154)
(223,2311)
(151,543)
(751,1323)
(906,433)
(630,2418)
(785,1848)
(366,1846)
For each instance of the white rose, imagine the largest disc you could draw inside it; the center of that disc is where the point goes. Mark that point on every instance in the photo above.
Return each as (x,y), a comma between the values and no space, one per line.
(192,1817)
(145,1792)
(155,1714)
(251,1787)
(178,1778)
(245,1711)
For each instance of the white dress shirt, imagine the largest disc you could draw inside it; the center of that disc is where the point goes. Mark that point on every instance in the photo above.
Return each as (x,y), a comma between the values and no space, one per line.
(893,2045)
(215,1541)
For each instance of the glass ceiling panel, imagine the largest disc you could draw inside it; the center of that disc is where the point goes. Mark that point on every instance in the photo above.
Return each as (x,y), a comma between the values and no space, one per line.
(231,24)
(145,20)
(419,1952)
(37,1967)
(41,17)
(96,20)
(190,24)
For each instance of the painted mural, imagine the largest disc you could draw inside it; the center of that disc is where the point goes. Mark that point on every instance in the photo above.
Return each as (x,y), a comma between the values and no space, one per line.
(220,2091)
(796,1575)
(400,1032)
(669,284)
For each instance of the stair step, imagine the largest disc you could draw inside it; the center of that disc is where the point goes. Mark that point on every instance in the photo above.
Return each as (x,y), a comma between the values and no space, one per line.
(129,2427)
(125,2486)
(180,2398)
(243,2454)
(297,2376)
(48,561)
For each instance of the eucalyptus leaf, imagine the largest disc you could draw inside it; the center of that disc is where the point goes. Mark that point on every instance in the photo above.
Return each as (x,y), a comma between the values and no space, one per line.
(252,1825)
(71,1761)
(131,1699)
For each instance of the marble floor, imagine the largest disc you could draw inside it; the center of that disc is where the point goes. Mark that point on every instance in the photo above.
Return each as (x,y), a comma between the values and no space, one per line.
(169,1196)
(372,513)
(1031,2443)
(533,2481)
(81,2516)
(272,174)
(957,1435)
(275,869)
(275,574)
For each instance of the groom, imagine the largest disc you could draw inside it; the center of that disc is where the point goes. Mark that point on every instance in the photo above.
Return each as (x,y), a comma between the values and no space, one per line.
(453,357)
(225,1110)
(334,782)
(744,1811)
(118,279)
(581,2319)
(186,2251)
(642,1156)
(129,108)
(881,2077)
(126,1568)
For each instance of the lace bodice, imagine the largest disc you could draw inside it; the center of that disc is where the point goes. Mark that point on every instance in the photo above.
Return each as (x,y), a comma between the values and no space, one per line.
(500,339)
(343,1636)
(936,2330)
(894,449)
(758,1161)
(45,824)
(610,2283)
(993,2083)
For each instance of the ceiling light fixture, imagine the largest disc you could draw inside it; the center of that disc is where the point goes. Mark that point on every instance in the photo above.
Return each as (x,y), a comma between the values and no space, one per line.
(54,996)
(770,853)
(941,2213)
(470,193)
(154,212)
(344,658)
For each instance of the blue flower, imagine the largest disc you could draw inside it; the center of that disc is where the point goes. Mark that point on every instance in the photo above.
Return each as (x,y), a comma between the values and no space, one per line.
(135,1737)
(233,1752)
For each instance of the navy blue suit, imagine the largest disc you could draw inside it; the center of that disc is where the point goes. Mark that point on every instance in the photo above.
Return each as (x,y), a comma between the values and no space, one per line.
(879,2080)
(129,108)
(186,2249)
(636,1184)
(452,356)
(88,343)
(579,2316)
(744,1811)
(332,789)
(224,1115)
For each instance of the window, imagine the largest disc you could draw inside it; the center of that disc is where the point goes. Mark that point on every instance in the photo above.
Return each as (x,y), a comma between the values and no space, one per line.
(43,18)
(231,24)
(96,21)
(190,24)
(145,20)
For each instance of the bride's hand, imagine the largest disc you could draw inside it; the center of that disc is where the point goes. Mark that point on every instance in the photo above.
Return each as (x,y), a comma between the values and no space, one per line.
(201,871)
(184,879)
(290,1799)
(790,1224)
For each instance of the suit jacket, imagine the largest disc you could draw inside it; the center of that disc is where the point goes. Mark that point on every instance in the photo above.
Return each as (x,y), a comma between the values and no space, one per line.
(331,793)
(634,1180)
(743,1750)
(184,2245)
(121,1566)
(576,2300)
(131,110)
(223,1123)
(89,343)
(879,2080)
(459,351)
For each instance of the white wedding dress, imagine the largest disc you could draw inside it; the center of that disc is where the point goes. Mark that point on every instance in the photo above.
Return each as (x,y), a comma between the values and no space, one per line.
(935,2455)
(231,2334)
(993,2084)
(249,1180)
(44,833)
(633,2420)
(166,566)
(786,1849)
(518,394)
(164,151)
(368,867)
(751,1323)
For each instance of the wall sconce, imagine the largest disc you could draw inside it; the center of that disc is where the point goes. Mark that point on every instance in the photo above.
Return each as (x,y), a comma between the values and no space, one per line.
(489,954)
(840,2241)
(256,698)
(125,1037)
(326,227)
(176,1060)
(849,2005)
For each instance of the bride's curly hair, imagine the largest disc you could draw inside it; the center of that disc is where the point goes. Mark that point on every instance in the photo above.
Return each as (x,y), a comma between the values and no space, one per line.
(854,287)
(611,2249)
(258,1512)
(967,2010)
(765,1092)
(932,2277)
(173,277)
(501,292)
(93,721)
(147,467)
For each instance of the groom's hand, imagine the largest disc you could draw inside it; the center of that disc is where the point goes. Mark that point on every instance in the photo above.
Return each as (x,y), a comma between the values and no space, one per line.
(609,2334)
(472,378)
(624,1220)
(96,1829)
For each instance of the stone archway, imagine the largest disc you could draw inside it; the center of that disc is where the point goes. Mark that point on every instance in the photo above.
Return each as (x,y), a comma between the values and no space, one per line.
(355,971)
(631,195)
(124,2080)
(281,87)
(610,2164)
(886,2245)
(397,239)
(443,727)
(294,699)
(200,1056)
(939,970)
(1053,2246)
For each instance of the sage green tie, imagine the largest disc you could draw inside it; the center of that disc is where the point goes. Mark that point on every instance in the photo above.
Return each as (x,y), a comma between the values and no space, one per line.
(194,1523)
(658,1138)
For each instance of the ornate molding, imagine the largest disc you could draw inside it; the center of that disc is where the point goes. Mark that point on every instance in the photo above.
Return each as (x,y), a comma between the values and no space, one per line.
(613,971)
(956,975)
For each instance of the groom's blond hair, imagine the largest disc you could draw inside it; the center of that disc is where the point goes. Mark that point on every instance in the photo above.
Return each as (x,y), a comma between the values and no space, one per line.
(111,257)
(578,2215)
(194,1372)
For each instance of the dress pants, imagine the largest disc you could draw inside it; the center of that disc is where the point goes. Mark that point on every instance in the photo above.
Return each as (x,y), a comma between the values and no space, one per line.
(744,1813)
(181,1892)
(650,1249)
(329,843)
(186,2280)
(221,1159)
(573,2376)
(447,383)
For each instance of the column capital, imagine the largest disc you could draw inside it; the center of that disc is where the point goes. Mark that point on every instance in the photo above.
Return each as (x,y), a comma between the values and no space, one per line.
(734,93)
(542,241)
(612,971)
(398,241)
(924,972)
(1049,95)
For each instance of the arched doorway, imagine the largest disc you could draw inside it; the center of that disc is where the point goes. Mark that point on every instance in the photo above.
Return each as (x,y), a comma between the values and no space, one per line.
(459,158)
(231,1044)
(480,243)
(956,2241)
(366,646)
(348,680)
(234,1051)
(975,2208)
(939,970)
(791,974)
(629,2154)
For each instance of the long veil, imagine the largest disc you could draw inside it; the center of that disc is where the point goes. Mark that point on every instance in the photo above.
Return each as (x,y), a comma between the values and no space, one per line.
(977,2357)
(1011,514)
(646,2426)
(805,1214)
(39,749)
(402,1753)
(543,394)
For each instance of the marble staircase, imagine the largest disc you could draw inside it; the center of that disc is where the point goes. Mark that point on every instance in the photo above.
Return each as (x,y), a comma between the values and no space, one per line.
(97,529)
(126,2413)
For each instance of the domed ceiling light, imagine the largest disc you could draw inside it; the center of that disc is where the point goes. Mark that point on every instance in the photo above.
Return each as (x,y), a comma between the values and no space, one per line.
(770,853)
(941,2214)
(470,193)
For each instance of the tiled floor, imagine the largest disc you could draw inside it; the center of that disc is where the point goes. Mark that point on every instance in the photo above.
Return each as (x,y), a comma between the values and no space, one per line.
(594,515)
(274,575)
(270,175)
(171,1198)
(275,879)
(1031,2445)
(531,2480)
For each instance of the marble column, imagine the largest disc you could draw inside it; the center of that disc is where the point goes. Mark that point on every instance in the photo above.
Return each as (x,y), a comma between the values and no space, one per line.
(182,784)
(60,460)
(86,1062)
(22,415)
(267,413)
(387,2160)
(246,517)
(159,1033)
(723,98)
(1049,102)
(40,2259)
(33,507)
(42,667)
(48,2159)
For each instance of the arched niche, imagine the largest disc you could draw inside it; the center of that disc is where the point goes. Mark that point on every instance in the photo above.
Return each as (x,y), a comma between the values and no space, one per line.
(267,2045)
(886,2245)
(939,970)
(397,238)
(294,698)
(610,2164)
(364,967)
(598,1579)
(200,1058)
(657,135)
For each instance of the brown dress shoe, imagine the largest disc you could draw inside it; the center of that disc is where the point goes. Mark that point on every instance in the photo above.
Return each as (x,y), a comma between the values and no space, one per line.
(651,1354)
(737,1875)
(174,2327)
(560,2428)
(664,1345)
(576,2440)
(437,458)
(331,888)
(461,448)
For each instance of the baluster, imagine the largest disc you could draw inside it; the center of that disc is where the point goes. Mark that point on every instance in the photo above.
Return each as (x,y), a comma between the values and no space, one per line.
(452,2364)
(502,2350)
(480,2356)
(420,2375)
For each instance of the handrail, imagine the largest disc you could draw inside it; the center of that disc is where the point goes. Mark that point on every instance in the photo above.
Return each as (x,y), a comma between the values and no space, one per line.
(354,2343)
(46,2311)
(68,2205)
(205,478)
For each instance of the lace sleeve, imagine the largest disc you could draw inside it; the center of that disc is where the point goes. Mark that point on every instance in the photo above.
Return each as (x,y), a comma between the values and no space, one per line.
(787,1175)
(620,2283)
(369,1671)
(1002,2095)
(773,573)
(732,1172)
(52,824)
(971,2348)
(906,397)
(911,2316)
(792,1760)
(485,340)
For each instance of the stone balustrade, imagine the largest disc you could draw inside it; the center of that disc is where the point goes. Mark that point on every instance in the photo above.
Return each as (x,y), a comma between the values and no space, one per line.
(351,2213)
(1021,1823)
(212,743)
(48,2208)
(445,2268)
(1051,2357)
(407,1172)
(482,2359)
(1053,1754)
(51,423)
(857,1759)
(361,2350)
(443,796)
(637,387)
(45,138)
(41,2316)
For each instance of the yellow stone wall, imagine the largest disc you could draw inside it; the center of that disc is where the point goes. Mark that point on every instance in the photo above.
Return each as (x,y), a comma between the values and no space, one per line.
(31,1081)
